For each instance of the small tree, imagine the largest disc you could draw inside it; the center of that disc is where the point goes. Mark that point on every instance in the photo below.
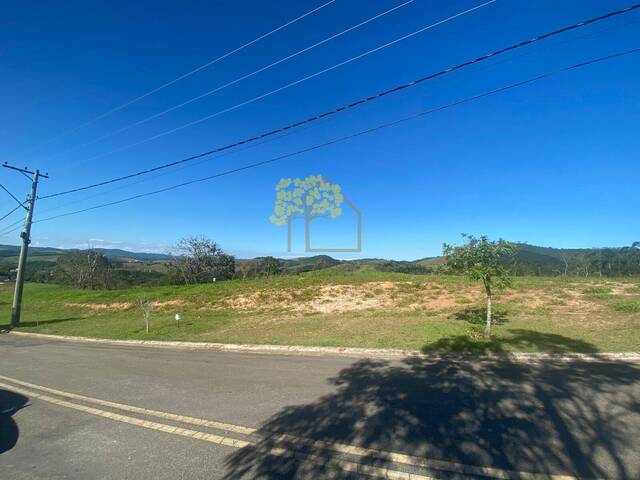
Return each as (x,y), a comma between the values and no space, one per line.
(144,305)
(270,266)
(482,259)
(86,269)
(200,260)
(246,269)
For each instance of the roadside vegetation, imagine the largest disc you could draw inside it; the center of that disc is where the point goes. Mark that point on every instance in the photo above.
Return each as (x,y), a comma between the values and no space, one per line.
(471,299)
(357,309)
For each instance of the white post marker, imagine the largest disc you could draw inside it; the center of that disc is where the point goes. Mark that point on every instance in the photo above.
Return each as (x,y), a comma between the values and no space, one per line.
(178,317)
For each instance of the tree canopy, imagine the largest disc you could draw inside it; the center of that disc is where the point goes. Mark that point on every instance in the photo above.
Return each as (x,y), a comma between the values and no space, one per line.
(482,260)
(86,269)
(200,260)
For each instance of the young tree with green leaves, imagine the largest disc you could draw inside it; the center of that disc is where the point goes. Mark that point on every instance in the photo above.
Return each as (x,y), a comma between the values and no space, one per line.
(482,260)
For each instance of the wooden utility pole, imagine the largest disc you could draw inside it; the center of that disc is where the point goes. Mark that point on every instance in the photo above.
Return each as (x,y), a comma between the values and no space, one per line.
(26,240)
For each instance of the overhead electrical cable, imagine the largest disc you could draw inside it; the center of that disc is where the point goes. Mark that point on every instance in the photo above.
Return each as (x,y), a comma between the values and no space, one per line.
(291,84)
(235,81)
(353,135)
(13,196)
(188,74)
(354,104)
(172,172)
(7,214)
(293,131)
(8,228)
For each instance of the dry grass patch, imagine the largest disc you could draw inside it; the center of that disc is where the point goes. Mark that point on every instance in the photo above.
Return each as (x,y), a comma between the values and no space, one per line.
(331,299)
(102,307)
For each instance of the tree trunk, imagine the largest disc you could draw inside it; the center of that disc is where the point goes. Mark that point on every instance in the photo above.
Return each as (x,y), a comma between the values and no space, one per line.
(487,327)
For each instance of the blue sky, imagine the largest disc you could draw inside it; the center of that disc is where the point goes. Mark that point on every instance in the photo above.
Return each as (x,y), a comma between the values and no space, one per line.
(554,163)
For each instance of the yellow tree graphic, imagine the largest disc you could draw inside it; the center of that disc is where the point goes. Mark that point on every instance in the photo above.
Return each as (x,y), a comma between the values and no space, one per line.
(307,199)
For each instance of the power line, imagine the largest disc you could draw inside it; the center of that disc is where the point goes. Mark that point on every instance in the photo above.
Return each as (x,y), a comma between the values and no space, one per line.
(7,214)
(291,84)
(171,172)
(357,103)
(8,229)
(354,135)
(13,196)
(564,42)
(290,132)
(237,80)
(188,74)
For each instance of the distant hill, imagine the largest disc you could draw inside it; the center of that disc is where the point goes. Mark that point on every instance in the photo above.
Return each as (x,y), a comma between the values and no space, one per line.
(14,251)
(112,253)
(294,265)
(124,255)
(530,260)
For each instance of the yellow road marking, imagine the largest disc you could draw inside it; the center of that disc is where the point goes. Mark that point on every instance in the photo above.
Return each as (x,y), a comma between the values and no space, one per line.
(144,411)
(131,420)
(217,439)
(395,457)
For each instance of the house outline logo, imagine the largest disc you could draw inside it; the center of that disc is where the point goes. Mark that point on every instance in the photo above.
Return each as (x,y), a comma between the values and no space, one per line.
(308,199)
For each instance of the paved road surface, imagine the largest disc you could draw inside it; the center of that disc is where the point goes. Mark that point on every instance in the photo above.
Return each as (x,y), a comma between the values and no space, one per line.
(74,410)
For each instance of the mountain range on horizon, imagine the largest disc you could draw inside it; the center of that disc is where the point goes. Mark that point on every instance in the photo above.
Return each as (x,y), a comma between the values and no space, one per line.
(543,259)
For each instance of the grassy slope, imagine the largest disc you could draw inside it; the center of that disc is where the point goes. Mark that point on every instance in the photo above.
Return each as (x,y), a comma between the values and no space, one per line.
(538,314)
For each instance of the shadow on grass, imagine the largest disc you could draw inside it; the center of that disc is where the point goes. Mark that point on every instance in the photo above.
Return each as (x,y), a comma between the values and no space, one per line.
(478,316)
(10,403)
(547,417)
(518,339)
(38,323)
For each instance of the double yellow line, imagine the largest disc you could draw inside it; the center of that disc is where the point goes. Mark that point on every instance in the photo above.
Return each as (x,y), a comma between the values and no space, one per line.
(342,448)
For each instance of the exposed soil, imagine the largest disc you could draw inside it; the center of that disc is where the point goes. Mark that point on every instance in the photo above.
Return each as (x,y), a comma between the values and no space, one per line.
(346,298)
(115,307)
(388,295)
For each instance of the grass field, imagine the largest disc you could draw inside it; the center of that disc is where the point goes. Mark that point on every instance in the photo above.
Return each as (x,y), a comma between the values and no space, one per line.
(359,309)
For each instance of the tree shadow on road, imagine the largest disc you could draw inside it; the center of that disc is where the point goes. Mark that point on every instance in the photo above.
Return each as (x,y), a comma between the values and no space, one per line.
(554,416)
(10,403)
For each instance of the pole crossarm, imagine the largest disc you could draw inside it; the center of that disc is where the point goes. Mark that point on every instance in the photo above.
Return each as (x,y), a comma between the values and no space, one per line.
(24,170)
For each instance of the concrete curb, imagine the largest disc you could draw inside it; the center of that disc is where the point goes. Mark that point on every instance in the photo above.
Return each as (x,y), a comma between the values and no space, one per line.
(340,351)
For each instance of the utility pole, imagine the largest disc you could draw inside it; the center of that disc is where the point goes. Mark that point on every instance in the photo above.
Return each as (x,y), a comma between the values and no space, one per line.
(26,240)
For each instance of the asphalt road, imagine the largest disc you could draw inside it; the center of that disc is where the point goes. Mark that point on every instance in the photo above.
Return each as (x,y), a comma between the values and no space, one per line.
(73,410)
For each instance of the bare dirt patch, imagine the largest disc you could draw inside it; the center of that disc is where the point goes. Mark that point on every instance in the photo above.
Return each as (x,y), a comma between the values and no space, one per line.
(329,299)
(113,307)
(529,299)
(341,298)
(169,303)
(121,306)
(257,301)
(433,297)
(568,302)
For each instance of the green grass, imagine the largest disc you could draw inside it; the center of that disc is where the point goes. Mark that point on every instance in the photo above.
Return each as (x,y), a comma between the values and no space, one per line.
(415,312)
(627,306)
